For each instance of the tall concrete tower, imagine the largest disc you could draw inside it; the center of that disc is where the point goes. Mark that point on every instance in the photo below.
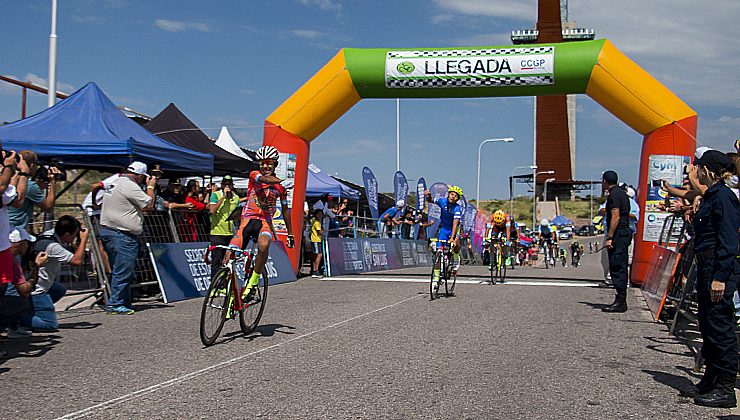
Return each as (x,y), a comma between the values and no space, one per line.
(555,128)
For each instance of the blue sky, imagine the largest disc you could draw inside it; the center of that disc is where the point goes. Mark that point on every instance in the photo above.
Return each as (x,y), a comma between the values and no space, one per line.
(233,62)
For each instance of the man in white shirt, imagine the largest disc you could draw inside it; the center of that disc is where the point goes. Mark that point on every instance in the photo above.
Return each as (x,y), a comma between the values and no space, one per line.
(121,226)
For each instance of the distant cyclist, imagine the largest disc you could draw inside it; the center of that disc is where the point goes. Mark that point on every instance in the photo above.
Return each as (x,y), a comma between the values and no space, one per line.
(546,237)
(449,223)
(576,250)
(256,222)
(502,225)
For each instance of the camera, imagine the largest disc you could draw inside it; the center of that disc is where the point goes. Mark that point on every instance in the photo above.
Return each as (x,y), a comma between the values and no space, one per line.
(43,171)
(8,152)
(657,183)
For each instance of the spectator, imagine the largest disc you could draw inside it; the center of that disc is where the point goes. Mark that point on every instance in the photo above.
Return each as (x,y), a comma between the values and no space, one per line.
(634,217)
(122,222)
(316,237)
(48,290)
(8,196)
(172,193)
(190,218)
(617,239)
(346,222)
(16,305)
(334,227)
(408,220)
(221,204)
(716,226)
(392,218)
(424,223)
(39,192)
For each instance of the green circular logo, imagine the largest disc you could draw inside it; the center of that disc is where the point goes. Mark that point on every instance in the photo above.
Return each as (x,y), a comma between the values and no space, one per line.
(406,67)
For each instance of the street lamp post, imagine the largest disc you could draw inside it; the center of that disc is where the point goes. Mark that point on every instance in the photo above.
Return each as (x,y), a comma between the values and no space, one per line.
(534,192)
(477,184)
(545,191)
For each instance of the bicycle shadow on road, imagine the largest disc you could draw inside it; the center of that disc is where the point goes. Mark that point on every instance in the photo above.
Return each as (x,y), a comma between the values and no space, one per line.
(266,330)
(32,346)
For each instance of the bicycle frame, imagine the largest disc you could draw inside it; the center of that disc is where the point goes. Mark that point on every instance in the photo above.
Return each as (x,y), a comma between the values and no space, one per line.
(237,255)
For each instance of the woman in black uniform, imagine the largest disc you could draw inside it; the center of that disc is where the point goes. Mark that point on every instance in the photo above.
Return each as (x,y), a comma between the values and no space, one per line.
(716,226)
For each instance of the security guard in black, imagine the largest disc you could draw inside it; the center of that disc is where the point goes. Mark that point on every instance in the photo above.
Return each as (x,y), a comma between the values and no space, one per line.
(620,237)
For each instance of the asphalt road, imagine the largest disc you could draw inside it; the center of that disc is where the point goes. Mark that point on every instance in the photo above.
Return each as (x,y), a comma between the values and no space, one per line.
(531,348)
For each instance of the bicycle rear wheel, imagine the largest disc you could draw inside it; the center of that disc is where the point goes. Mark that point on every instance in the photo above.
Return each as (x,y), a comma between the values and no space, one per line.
(215,306)
(434,283)
(249,316)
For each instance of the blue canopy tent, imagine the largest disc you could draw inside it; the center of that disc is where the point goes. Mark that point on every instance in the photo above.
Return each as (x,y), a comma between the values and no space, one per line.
(561,221)
(319,183)
(86,130)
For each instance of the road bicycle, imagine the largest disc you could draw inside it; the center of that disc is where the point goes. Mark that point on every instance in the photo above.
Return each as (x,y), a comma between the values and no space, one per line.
(226,295)
(547,253)
(576,259)
(442,261)
(497,266)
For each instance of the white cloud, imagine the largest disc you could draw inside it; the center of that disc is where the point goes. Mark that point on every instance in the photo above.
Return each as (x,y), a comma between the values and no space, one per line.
(484,39)
(323,4)
(88,19)
(319,39)
(306,33)
(40,81)
(515,9)
(181,26)
(719,133)
(689,46)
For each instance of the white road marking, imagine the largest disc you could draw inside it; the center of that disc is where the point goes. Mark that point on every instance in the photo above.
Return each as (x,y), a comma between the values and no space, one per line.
(197,373)
(574,283)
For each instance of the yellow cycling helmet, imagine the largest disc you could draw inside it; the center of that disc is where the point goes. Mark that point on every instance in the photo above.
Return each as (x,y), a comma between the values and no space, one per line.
(457,190)
(499,216)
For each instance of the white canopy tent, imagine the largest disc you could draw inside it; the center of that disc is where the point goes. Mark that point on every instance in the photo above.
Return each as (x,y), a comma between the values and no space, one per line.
(226,142)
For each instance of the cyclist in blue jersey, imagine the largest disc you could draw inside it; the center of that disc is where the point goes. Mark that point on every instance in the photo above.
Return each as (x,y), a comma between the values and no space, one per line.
(449,223)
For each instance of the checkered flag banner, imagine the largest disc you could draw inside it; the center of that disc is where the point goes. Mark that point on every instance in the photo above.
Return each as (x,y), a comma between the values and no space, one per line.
(486,67)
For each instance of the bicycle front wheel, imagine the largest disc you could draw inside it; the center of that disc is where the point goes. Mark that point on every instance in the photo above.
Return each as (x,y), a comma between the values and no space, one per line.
(215,307)
(450,279)
(502,270)
(494,265)
(249,316)
(434,283)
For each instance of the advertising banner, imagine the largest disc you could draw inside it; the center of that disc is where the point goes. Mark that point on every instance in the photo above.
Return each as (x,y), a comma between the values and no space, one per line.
(660,167)
(371,190)
(438,189)
(400,187)
(485,67)
(468,221)
(285,170)
(182,274)
(361,255)
(421,186)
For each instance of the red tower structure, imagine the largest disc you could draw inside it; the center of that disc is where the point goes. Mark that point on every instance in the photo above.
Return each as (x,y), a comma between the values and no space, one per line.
(554,132)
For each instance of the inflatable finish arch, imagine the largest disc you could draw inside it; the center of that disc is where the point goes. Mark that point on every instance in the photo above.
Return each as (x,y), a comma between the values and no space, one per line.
(595,68)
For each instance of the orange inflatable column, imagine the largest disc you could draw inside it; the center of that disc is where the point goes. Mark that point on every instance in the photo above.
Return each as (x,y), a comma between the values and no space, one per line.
(292,144)
(675,139)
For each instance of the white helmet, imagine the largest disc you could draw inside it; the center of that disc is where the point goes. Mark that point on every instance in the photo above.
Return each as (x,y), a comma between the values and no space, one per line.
(400,203)
(267,152)
(545,222)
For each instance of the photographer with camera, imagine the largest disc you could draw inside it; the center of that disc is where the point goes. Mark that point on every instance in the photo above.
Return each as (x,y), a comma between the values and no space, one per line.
(8,196)
(40,190)
(48,290)
(222,203)
(121,227)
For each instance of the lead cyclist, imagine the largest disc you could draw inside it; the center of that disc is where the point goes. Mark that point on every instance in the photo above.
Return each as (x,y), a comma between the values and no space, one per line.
(449,225)
(256,221)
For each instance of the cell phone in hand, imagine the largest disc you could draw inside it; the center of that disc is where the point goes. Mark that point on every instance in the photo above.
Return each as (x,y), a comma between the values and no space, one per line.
(657,183)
